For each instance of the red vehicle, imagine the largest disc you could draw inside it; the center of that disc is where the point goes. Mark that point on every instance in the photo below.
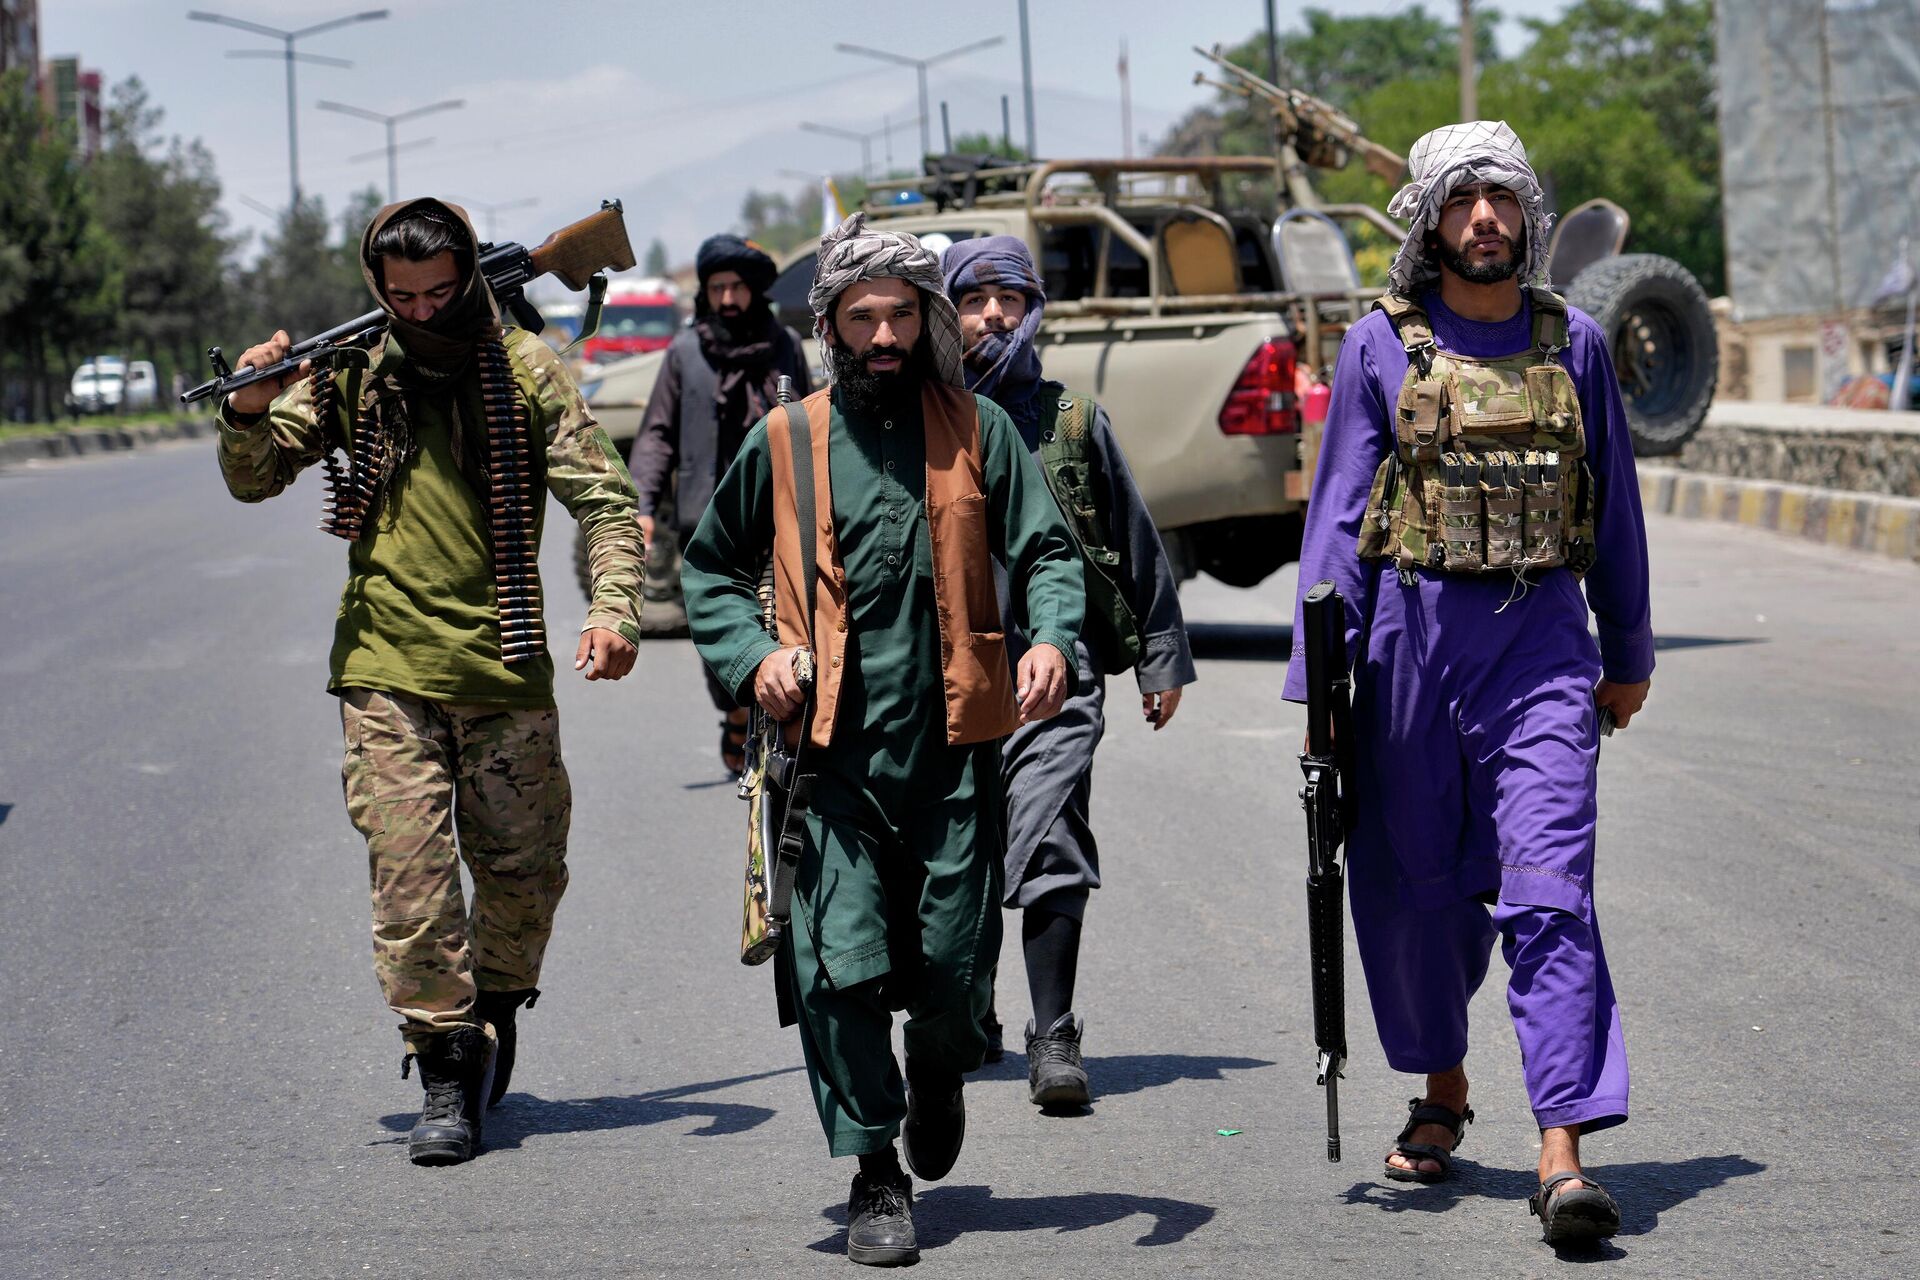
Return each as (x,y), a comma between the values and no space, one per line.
(639,316)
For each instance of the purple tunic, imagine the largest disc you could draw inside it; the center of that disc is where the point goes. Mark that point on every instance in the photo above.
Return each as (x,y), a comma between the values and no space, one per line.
(1473,706)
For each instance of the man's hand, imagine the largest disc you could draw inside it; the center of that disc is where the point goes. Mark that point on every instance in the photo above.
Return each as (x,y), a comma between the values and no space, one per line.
(1042,683)
(1159,707)
(250,401)
(608,651)
(1624,700)
(775,687)
(646,530)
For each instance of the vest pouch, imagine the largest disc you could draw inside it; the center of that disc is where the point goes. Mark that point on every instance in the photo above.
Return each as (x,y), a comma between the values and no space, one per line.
(1504,492)
(1462,524)
(1545,513)
(1418,423)
(1376,524)
(1556,409)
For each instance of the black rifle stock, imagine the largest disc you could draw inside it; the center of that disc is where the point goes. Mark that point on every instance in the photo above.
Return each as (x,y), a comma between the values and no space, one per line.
(575,254)
(1328,800)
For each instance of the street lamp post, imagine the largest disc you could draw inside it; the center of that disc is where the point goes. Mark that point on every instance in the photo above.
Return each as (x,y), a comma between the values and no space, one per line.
(393,168)
(864,139)
(287,39)
(493,211)
(920,65)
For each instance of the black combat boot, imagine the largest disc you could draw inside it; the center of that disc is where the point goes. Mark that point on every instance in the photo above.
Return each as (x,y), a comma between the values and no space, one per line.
(936,1122)
(1055,1077)
(499,1008)
(880,1217)
(456,1074)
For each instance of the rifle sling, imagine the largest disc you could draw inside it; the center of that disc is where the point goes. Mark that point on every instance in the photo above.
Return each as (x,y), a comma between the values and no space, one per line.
(793,824)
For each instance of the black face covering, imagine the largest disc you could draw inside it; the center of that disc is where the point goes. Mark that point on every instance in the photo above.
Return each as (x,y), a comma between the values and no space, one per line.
(445,343)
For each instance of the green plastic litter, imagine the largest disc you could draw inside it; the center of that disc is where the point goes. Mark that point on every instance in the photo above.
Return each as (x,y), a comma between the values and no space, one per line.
(1226,1133)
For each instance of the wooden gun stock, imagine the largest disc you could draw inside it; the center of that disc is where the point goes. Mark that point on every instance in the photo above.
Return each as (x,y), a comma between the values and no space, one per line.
(596,243)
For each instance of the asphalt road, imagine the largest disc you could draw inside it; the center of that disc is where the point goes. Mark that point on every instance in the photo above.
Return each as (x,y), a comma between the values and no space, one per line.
(199,1077)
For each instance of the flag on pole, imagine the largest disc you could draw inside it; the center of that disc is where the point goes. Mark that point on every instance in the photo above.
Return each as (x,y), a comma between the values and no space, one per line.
(832,210)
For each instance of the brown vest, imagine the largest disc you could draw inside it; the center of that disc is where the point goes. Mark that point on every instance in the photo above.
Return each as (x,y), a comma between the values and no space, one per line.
(973,651)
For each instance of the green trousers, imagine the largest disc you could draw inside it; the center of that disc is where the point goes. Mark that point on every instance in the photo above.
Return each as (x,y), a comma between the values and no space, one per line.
(896,907)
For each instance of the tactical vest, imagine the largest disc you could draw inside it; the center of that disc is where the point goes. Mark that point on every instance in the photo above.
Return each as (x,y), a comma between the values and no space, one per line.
(1488,472)
(1066,459)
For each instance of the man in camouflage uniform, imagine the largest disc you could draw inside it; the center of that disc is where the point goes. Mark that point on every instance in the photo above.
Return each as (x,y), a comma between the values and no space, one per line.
(439,655)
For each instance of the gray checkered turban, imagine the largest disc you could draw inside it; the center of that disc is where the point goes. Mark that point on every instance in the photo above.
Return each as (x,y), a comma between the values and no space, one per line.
(852,252)
(1452,156)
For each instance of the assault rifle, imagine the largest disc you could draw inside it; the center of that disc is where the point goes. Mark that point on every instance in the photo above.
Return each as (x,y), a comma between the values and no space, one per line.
(1328,799)
(578,255)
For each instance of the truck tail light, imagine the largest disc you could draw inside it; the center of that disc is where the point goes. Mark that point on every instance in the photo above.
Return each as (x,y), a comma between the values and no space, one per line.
(1262,402)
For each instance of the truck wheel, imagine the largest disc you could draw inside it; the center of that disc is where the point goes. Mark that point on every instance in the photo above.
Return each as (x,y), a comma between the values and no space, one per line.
(1665,351)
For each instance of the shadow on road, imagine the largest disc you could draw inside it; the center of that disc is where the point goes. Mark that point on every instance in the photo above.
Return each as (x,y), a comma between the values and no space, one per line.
(1241,641)
(1645,1189)
(1664,643)
(942,1215)
(522,1115)
(1124,1073)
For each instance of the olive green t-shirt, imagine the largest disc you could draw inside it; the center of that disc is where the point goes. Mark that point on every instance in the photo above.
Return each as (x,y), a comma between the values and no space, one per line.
(418,615)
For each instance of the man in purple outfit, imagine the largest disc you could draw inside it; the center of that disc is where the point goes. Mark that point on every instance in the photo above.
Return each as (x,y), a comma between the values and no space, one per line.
(1476,464)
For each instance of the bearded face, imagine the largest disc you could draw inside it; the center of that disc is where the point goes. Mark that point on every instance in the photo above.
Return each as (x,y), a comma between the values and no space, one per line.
(1482,234)
(875,347)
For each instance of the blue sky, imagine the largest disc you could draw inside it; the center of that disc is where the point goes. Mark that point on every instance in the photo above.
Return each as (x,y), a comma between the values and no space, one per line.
(677,108)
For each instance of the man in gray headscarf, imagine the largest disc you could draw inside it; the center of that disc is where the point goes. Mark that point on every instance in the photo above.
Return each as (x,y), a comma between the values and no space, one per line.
(920,487)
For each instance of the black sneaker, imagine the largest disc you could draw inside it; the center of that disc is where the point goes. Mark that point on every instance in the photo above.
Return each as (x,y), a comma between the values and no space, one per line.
(455,1076)
(499,1008)
(936,1125)
(1055,1077)
(880,1222)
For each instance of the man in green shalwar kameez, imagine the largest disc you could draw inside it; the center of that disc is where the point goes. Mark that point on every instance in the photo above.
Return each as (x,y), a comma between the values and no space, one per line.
(896,901)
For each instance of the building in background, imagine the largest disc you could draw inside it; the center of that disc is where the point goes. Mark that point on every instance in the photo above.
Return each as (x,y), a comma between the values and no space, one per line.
(20,38)
(71,97)
(1820,169)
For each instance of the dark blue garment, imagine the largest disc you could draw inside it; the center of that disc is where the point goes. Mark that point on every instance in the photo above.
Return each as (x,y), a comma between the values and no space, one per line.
(1004,367)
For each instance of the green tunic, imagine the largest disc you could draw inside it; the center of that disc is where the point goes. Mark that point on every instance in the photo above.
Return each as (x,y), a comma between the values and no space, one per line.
(897,897)
(417,617)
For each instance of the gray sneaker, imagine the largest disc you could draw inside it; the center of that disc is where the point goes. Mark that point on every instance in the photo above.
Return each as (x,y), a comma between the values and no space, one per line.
(1055,1077)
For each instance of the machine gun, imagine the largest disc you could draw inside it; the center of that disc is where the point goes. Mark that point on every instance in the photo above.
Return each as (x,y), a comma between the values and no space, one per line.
(578,255)
(1324,136)
(1328,799)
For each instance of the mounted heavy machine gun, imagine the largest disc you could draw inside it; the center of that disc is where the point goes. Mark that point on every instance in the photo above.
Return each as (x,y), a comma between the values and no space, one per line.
(1319,132)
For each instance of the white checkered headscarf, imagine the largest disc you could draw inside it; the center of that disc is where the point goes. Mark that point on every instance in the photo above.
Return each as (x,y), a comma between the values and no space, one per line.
(852,252)
(1453,156)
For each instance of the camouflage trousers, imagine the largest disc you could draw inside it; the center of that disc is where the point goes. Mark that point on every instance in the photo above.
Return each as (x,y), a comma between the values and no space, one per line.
(430,784)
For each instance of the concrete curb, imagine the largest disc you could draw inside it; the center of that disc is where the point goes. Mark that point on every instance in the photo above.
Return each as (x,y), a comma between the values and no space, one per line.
(1883,525)
(86,440)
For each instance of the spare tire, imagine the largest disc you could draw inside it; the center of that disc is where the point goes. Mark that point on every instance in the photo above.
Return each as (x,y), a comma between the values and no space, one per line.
(1665,351)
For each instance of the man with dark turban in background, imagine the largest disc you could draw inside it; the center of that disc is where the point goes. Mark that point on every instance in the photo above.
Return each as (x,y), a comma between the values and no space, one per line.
(718,378)
(918,487)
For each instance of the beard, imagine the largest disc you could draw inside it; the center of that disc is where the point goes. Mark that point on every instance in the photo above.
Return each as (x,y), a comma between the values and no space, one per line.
(1482,272)
(865,392)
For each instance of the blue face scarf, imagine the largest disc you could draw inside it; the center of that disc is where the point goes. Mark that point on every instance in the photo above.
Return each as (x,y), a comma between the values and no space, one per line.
(1004,367)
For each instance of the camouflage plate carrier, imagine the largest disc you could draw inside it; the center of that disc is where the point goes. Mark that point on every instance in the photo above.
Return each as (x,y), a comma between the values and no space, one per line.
(1487,473)
(1066,422)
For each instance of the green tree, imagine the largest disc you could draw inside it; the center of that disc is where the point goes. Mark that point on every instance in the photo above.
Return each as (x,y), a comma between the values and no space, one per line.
(59,275)
(158,200)
(307,278)
(656,263)
(988,144)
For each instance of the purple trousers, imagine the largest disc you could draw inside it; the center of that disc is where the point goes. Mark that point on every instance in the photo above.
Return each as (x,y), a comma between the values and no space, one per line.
(1479,741)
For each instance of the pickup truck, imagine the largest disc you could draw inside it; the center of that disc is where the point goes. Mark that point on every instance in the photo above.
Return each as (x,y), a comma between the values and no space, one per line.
(1163,302)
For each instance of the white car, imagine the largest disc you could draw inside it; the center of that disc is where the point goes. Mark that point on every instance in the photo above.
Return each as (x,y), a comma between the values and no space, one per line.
(112,384)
